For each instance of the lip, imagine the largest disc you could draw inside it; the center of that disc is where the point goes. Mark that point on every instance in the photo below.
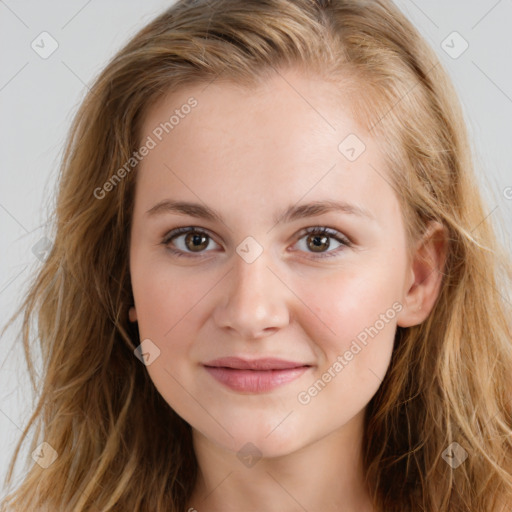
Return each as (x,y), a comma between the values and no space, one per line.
(263,363)
(254,376)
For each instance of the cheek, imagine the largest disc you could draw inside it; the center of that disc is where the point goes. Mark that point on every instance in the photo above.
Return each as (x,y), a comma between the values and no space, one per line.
(165,298)
(169,313)
(355,315)
(354,336)
(167,308)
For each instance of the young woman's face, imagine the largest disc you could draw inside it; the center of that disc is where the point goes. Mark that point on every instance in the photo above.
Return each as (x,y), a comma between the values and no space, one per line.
(245,279)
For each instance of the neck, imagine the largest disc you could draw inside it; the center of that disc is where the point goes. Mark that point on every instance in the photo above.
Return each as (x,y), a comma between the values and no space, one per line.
(310,478)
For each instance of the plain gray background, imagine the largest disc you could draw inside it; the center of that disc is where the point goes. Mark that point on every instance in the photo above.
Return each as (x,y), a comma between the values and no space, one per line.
(39,96)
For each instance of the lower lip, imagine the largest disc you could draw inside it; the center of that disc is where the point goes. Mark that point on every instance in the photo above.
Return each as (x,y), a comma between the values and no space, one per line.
(255,381)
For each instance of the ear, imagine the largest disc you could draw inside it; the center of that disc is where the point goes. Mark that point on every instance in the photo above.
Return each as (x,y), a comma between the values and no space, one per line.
(425,276)
(132,314)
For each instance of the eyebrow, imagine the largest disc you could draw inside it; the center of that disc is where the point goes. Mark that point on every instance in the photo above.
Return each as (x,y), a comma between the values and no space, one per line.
(293,212)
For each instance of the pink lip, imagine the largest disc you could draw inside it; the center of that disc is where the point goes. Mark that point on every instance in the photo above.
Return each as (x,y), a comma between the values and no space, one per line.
(256,376)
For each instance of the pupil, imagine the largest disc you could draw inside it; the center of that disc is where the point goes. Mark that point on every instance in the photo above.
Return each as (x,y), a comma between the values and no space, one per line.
(317,242)
(196,239)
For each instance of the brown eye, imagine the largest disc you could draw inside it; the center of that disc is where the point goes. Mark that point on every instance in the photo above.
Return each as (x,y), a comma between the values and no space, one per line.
(320,239)
(196,241)
(319,243)
(187,241)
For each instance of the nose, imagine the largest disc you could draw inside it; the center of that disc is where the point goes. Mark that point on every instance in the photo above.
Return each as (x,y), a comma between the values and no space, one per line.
(255,300)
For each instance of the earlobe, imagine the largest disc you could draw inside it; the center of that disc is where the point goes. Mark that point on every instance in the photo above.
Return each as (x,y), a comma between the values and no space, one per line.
(132,314)
(427,274)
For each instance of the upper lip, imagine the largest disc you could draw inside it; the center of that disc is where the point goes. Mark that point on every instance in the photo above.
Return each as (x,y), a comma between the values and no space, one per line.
(267,363)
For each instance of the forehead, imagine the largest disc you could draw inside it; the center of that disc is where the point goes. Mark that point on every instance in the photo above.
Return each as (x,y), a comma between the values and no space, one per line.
(290,137)
(300,105)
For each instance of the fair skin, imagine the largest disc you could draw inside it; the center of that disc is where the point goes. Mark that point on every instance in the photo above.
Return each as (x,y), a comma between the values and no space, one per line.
(248,155)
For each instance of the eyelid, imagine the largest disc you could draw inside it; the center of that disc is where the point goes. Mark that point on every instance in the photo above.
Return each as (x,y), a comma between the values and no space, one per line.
(176,232)
(331,232)
(345,241)
(173,233)
(342,239)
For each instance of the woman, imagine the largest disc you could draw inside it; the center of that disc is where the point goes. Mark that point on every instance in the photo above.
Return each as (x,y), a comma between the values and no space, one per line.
(206,347)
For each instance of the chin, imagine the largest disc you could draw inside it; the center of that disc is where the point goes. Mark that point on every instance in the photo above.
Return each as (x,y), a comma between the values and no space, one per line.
(258,439)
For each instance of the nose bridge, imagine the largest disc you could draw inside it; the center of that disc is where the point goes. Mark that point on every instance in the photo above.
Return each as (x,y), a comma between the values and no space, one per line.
(255,301)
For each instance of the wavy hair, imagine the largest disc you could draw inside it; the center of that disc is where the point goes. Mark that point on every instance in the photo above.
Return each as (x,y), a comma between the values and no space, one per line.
(450,377)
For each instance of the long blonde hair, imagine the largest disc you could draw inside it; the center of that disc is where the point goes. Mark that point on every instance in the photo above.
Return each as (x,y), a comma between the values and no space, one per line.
(450,378)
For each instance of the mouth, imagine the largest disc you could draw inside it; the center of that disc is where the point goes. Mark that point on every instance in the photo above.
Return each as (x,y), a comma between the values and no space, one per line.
(255,376)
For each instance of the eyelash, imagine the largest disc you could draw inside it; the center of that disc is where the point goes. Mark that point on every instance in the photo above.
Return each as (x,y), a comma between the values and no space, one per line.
(316,230)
